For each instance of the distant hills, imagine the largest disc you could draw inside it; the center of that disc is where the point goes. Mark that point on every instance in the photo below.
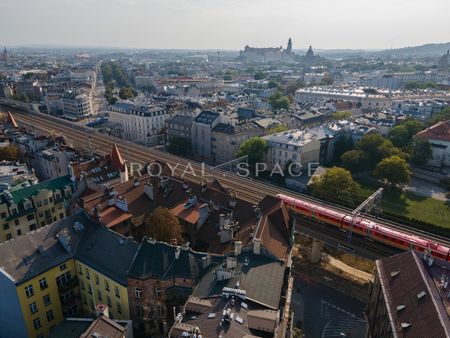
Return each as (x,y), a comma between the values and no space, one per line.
(428,50)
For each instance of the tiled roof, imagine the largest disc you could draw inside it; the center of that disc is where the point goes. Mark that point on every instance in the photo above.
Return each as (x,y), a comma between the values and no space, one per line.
(54,184)
(440,132)
(117,161)
(158,260)
(107,252)
(40,250)
(405,281)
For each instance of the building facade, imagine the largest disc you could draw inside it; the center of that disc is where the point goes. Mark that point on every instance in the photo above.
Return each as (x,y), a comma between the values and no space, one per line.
(76,106)
(201,136)
(137,123)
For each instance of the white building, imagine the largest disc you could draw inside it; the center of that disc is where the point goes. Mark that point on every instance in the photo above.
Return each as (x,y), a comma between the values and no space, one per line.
(439,137)
(137,123)
(298,146)
(361,98)
(76,106)
(394,81)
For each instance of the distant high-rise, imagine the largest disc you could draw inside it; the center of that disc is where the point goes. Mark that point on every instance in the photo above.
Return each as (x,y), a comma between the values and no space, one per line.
(5,56)
(289,47)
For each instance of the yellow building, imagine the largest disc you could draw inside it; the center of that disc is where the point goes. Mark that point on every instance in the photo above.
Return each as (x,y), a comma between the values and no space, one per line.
(24,209)
(62,270)
(102,262)
(38,283)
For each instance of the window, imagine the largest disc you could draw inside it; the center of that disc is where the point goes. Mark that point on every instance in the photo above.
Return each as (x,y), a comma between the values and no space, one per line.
(117,292)
(37,323)
(8,237)
(99,295)
(106,285)
(3,215)
(33,307)
(108,301)
(43,283)
(87,273)
(63,267)
(119,308)
(5,226)
(16,222)
(63,279)
(29,291)
(97,280)
(39,204)
(30,217)
(19,232)
(46,300)
(50,315)
(158,293)
(90,289)
(82,285)
(140,310)
(138,292)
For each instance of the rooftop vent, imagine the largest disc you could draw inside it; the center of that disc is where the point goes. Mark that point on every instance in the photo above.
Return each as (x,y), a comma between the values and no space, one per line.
(421,294)
(400,307)
(405,325)
(395,273)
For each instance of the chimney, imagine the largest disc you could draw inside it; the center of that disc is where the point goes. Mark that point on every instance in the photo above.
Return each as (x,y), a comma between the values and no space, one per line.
(136,182)
(122,204)
(257,246)
(149,190)
(102,310)
(177,252)
(237,247)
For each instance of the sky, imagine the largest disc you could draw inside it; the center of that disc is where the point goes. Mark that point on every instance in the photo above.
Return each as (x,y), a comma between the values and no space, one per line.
(225,24)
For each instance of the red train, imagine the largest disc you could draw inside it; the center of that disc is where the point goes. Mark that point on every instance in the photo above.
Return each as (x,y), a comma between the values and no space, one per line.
(366,227)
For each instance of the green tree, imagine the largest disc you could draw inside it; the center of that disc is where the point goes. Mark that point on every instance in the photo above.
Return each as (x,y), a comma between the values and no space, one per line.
(336,184)
(443,115)
(273,84)
(278,101)
(255,148)
(163,226)
(399,136)
(377,148)
(180,146)
(327,80)
(259,75)
(421,151)
(355,160)
(10,153)
(394,169)
(342,115)
(126,93)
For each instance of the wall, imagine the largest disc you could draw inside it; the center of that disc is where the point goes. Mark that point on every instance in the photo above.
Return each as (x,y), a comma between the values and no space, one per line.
(12,322)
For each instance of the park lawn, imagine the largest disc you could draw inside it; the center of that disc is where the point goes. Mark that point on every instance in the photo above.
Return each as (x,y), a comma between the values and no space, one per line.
(425,209)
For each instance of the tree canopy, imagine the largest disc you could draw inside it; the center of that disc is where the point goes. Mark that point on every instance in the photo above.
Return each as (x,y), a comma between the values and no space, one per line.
(10,153)
(441,116)
(337,184)
(394,169)
(163,226)
(421,151)
(255,148)
(259,75)
(377,148)
(278,101)
(355,160)
(342,115)
(401,135)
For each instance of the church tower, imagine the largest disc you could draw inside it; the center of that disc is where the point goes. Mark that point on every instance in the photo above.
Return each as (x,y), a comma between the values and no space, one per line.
(289,47)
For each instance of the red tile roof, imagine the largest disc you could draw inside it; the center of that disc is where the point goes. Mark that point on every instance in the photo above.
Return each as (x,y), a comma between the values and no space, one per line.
(440,131)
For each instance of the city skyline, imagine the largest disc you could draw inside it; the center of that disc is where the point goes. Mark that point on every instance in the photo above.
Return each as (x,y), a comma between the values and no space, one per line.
(197,24)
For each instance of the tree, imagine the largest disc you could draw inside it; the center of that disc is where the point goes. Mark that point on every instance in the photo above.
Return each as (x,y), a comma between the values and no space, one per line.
(278,101)
(10,153)
(163,226)
(336,184)
(399,136)
(394,169)
(126,93)
(179,146)
(273,84)
(355,160)
(342,115)
(441,116)
(421,151)
(255,148)
(327,80)
(344,142)
(377,148)
(259,75)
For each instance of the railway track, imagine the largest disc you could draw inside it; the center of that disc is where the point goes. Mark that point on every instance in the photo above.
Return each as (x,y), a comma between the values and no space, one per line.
(244,188)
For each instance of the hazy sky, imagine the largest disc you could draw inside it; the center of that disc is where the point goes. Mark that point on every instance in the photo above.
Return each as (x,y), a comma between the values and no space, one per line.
(225,24)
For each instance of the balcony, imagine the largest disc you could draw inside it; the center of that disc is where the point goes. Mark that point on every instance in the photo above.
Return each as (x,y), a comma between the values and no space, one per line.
(67,286)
